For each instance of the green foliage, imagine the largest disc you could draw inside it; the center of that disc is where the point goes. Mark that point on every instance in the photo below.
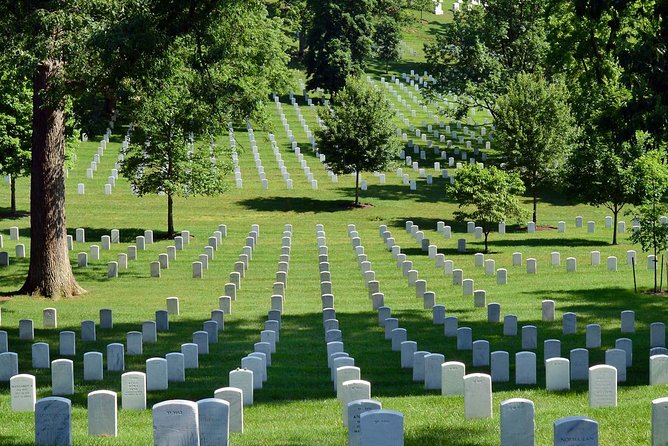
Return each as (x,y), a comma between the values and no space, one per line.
(602,173)
(359,132)
(535,129)
(422,5)
(339,41)
(15,124)
(387,37)
(614,55)
(487,196)
(652,235)
(484,48)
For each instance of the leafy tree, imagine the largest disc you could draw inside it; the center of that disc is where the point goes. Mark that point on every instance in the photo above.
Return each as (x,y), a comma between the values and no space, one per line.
(296,17)
(483,49)
(387,37)
(613,54)
(162,159)
(338,41)
(535,130)
(602,172)
(76,46)
(487,195)
(652,234)
(244,61)
(15,129)
(358,133)
(396,9)
(421,5)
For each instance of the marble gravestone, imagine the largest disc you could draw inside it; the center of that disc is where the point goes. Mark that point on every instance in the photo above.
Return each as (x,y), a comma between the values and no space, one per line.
(234,397)
(382,427)
(176,422)
(517,422)
(575,431)
(355,410)
(102,414)
(53,422)
(214,422)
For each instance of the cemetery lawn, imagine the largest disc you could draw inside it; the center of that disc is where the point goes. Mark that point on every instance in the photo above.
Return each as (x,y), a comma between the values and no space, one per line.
(297,405)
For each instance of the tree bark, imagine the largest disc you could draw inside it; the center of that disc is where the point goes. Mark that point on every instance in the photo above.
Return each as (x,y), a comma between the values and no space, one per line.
(170,216)
(302,44)
(615,213)
(12,200)
(50,273)
(357,187)
(535,203)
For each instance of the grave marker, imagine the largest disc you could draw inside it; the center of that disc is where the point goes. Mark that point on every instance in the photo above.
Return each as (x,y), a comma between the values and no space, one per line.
(53,422)
(102,414)
(176,422)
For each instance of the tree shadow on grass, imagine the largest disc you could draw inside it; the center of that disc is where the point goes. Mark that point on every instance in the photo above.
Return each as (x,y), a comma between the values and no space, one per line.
(126,235)
(425,193)
(567,242)
(7,214)
(296,204)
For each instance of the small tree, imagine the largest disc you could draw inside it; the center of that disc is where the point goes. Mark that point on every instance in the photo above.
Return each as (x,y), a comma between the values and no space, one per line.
(421,5)
(358,133)
(387,38)
(535,130)
(15,129)
(162,159)
(488,196)
(652,235)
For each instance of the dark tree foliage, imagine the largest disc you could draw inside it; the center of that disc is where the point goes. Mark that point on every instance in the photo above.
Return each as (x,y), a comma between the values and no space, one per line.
(338,41)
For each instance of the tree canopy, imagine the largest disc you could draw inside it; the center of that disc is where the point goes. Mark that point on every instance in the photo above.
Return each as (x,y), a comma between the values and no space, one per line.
(338,41)
(358,133)
(487,196)
(535,130)
(484,48)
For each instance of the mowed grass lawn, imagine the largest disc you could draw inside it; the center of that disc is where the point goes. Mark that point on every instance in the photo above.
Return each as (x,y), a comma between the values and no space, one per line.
(297,405)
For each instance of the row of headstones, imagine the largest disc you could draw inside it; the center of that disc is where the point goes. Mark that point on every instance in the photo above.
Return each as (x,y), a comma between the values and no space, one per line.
(490,265)
(297,150)
(93,361)
(353,392)
(235,156)
(405,88)
(106,242)
(437,136)
(157,368)
(421,291)
(113,177)
(518,425)
(176,422)
(399,336)
(213,244)
(620,356)
(281,164)
(258,361)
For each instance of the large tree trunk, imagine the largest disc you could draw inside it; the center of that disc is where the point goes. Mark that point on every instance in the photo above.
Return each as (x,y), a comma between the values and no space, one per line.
(50,273)
(12,200)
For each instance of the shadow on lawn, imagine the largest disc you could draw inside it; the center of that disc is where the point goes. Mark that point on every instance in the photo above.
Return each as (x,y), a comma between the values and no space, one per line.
(568,242)
(299,367)
(126,235)
(425,193)
(7,214)
(296,204)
